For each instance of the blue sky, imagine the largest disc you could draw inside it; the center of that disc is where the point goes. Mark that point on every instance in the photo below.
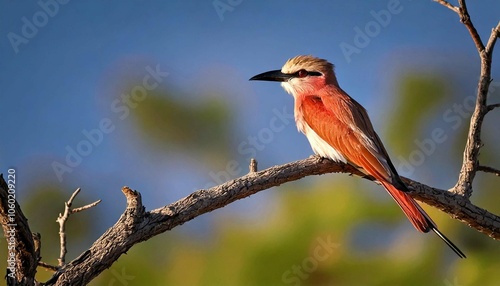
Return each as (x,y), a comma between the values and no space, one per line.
(61,79)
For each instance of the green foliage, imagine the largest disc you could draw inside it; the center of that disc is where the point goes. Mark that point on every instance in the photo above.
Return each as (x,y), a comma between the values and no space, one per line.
(169,124)
(417,96)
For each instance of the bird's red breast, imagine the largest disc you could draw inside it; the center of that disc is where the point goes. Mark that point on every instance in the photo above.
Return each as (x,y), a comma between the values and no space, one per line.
(336,124)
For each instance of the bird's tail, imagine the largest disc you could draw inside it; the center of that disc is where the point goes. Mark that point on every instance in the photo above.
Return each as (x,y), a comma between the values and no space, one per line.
(417,216)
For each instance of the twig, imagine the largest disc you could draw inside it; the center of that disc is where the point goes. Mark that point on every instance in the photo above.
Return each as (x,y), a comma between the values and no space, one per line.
(253,165)
(463,13)
(77,210)
(448,5)
(493,106)
(487,169)
(62,218)
(465,19)
(495,33)
(47,266)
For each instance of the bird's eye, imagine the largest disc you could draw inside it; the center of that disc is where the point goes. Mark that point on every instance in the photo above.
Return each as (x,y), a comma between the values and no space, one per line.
(302,73)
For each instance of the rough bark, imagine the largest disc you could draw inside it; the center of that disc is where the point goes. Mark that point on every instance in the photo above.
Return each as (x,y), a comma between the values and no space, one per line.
(20,242)
(136,224)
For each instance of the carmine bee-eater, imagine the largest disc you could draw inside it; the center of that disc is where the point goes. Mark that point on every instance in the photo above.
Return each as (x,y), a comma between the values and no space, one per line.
(338,128)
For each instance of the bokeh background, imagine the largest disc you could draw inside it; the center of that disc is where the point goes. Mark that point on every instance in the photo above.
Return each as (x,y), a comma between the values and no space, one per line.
(155,95)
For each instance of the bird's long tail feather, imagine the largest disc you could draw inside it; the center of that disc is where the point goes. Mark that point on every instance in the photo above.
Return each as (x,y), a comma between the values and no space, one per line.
(417,216)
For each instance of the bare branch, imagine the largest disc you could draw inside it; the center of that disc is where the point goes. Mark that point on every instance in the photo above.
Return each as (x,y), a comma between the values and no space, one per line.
(77,210)
(493,106)
(487,169)
(62,223)
(37,238)
(136,225)
(47,266)
(253,165)
(465,19)
(470,162)
(495,33)
(448,5)
(73,196)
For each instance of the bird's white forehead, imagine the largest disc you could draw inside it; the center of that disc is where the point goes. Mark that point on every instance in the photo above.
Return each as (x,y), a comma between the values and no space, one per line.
(308,63)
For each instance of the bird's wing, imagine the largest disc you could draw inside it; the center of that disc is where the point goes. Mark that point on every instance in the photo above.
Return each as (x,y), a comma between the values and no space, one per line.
(344,124)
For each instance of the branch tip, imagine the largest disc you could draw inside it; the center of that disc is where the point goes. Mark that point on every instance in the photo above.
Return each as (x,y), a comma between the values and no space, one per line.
(134,199)
(75,193)
(487,169)
(47,266)
(448,5)
(75,210)
(495,33)
(253,165)
(493,106)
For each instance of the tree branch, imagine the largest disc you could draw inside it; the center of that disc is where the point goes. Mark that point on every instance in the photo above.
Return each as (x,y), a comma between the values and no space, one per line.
(495,33)
(465,19)
(23,255)
(487,169)
(48,266)
(493,106)
(62,218)
(473,145)
(448,5)
(136,224)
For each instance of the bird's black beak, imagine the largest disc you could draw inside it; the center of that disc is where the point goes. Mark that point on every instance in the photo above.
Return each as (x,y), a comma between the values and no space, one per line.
(276,75)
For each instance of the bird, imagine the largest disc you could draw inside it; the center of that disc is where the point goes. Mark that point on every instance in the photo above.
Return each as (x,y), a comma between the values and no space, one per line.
(338,128)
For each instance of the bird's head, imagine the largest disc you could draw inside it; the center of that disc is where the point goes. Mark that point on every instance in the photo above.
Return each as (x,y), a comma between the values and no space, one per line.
(302,75)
